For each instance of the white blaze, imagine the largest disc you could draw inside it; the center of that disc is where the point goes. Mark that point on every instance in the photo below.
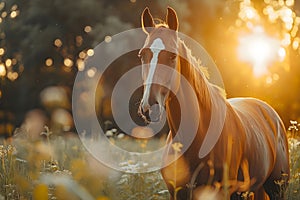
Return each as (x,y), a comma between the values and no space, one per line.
(155,48)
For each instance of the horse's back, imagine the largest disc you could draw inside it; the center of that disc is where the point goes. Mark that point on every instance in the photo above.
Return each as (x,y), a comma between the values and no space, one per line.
(266,146)
(258,117)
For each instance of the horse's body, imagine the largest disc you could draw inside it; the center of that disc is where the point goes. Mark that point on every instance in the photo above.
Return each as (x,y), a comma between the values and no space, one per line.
(251,153)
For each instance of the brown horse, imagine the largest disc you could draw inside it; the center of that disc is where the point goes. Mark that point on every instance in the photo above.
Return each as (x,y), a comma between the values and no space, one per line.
(250,152)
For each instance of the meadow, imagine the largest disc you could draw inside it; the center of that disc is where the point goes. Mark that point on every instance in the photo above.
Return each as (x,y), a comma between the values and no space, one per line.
(59,167)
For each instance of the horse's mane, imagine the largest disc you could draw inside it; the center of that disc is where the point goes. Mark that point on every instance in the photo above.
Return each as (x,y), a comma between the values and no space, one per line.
(194,61)
(197,73)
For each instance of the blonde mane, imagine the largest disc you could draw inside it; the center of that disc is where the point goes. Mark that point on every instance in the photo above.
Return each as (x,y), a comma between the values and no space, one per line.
(198,73)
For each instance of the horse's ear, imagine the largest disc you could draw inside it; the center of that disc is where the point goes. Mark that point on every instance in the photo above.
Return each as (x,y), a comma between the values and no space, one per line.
(172,19)
(147,20)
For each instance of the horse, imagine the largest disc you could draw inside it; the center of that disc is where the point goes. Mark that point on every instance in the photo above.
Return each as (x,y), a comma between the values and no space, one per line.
(250,155)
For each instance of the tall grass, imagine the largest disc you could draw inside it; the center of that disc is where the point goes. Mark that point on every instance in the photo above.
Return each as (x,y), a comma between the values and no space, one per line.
(59,167)
(293,192)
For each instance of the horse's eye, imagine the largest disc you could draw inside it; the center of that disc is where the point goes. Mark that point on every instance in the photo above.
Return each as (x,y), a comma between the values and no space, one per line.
(173,56)
(142,57)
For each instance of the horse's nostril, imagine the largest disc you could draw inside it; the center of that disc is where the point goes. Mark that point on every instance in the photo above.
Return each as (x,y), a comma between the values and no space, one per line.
(151,114)
(146,114)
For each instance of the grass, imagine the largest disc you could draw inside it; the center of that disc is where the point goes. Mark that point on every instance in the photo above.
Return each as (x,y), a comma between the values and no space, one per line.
(56,167)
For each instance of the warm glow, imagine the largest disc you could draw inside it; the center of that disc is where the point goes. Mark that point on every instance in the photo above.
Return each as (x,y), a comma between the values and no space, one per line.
(8,62)
(91,72)
(79,40)
(49,62)
(80,65)
(281,53)
(4,14)
(2,51)
(286,41)
(247,11)
(2,70)
(13,14)
(259,50)
(90,52)
(295,43)
(82,55)
(87,29)
(12,75)
(2,5)
(58,43)
(14,61)
(107,39)
(68,62)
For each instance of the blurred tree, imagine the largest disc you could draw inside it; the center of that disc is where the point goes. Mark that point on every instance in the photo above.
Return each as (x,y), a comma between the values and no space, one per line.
(45,39)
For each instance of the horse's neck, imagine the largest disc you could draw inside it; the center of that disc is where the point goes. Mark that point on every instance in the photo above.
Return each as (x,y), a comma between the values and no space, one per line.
(202,107)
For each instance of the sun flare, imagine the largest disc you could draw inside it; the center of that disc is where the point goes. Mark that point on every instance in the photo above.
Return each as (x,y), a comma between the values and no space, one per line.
(259,50)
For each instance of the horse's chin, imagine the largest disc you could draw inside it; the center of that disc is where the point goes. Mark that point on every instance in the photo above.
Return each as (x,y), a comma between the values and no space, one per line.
(155,119)
(148,120)
(153,115)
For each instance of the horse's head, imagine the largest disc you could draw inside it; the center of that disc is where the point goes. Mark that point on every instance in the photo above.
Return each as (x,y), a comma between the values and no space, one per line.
(160,59)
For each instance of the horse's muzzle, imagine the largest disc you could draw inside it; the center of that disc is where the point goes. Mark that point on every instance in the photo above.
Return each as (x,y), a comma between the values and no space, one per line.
(150,113)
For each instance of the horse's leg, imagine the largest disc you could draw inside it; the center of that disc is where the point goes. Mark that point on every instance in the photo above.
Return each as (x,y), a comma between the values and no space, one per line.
(261,194)
(276,184)
(235,196)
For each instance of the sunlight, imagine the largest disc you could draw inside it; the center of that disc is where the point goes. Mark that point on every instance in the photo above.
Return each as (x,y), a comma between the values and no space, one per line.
(2,70)
(259,50)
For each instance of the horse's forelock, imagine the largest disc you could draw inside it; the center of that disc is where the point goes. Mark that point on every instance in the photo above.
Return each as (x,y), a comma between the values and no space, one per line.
(160,23)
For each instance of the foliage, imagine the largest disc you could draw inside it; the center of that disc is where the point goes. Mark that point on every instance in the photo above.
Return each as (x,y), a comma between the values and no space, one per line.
(45,42)
(55,167)
(294,149)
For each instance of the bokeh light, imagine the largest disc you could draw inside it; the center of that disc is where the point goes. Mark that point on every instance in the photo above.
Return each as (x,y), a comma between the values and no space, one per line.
(87,29)
(68,62)
(91,72)
(2,70)
(265,38)
(259,49)
(49,62)
(2,51)
(107,39)
(80,64)
(90,52)
(57,42)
